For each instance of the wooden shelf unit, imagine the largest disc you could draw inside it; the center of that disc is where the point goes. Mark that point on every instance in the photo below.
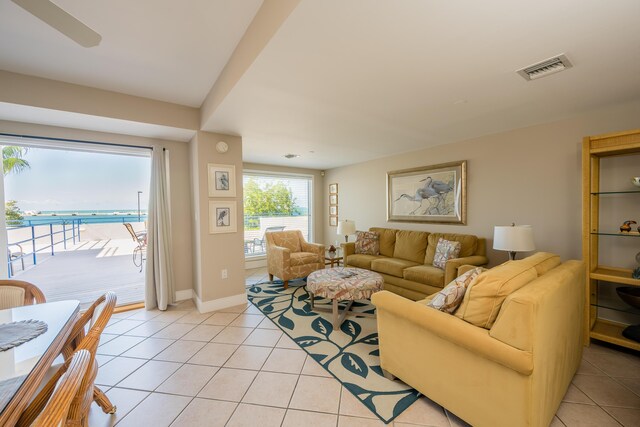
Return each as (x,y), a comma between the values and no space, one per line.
(593,149)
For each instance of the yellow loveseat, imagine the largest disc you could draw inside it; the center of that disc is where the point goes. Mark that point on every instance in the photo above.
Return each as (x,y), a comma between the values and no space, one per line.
(406,260)
(513,374)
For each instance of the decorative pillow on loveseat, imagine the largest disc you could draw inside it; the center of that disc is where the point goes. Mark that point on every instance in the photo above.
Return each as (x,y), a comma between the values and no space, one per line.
(449,298)
(367,243)
(445,251)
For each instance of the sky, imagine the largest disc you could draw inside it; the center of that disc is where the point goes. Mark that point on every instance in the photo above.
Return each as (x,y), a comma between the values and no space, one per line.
(74,180)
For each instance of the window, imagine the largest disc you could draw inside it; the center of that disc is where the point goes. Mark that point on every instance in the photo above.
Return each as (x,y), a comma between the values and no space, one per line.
(275,201)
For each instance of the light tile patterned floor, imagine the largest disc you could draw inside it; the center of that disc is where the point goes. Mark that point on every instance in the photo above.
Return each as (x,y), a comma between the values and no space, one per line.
(236,368)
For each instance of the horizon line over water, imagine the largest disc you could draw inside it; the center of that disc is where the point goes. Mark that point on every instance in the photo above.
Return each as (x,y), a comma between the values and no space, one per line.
(93,216)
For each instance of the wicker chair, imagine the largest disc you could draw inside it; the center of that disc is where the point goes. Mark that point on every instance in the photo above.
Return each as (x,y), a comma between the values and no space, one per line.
(71,377)
(96,317)
(16,293)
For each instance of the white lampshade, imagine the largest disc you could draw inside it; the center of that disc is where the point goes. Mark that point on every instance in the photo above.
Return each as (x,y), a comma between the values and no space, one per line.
(346,227)
(513,238)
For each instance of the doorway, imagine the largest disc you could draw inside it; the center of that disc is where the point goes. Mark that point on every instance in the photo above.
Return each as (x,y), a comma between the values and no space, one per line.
(75,218)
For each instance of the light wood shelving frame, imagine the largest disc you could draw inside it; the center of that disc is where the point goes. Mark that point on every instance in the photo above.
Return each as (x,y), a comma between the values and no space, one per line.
(593,149)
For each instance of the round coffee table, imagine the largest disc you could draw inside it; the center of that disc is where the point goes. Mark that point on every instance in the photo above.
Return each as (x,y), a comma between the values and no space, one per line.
(340,284)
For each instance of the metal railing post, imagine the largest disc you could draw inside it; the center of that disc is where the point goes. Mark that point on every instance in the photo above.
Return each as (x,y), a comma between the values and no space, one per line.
(64,235)
(51,234)
(79,222)
(33,242)
(73,229)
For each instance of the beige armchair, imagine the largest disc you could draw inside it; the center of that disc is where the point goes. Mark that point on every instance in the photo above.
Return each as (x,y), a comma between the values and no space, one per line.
(289,256)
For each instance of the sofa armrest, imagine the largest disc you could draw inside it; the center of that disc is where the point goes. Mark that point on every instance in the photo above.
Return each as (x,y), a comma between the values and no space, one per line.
(452,329)
(315,248)
(278,255)
(452,265)
(348,248)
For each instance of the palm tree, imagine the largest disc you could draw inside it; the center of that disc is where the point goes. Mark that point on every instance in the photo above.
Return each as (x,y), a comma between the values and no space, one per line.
(13,159)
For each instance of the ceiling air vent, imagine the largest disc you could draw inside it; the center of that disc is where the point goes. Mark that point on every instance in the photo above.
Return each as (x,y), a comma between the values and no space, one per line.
(545,68)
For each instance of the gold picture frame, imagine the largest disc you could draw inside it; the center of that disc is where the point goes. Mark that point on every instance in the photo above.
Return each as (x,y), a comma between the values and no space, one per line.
(333,221)
(333,188)
(435,194)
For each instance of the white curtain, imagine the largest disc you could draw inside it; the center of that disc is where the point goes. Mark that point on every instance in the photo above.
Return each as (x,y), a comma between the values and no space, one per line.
(159,285)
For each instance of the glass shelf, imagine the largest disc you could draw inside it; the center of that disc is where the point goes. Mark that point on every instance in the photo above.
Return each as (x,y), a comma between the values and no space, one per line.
(627,309)
(600,233)
(615,192)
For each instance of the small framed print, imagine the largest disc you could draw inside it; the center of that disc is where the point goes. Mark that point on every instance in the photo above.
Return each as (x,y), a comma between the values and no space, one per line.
(222,180)
(222,217)
(333,199)
(333,221)
(333,210)
(333,188)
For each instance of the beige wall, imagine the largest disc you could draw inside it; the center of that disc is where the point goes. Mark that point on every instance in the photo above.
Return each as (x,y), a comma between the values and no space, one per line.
(527,176)
(179,182)
(318,192)
(215,252)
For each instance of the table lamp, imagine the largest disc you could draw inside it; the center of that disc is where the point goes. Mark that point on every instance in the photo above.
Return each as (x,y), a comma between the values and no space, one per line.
(345,228)
(513,238)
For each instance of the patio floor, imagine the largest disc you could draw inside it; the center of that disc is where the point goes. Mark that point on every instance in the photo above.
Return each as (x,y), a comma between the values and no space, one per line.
(87,270)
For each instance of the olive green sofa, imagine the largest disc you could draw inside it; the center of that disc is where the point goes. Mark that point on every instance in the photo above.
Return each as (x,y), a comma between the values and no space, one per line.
(406,260)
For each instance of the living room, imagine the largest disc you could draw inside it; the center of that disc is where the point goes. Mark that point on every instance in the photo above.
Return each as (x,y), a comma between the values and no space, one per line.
(352,91)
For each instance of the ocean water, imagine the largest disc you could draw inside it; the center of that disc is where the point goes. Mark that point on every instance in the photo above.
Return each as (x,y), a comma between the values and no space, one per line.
(82,216)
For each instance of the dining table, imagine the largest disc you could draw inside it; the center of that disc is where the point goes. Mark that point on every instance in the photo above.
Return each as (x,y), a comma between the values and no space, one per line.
(22,368)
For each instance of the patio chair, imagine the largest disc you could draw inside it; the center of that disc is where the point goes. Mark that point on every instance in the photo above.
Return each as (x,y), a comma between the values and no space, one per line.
(16,293)
(140,250)
(262,243)
(15,255)
(96,318)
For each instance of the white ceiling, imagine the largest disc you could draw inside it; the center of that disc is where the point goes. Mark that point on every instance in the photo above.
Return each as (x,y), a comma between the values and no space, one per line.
(355,80)
(161,49)
(344,81)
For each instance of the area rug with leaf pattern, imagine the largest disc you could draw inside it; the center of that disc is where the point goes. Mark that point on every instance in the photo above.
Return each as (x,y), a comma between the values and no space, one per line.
(350,354)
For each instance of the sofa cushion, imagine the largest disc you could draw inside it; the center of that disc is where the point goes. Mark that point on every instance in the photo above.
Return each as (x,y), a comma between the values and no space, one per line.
(449,298)
(361,260)
(485,295)
(445,250)
(411,245)
(387,240)
(469,244)
(426,274)
(288,239)
(542,262)
(367,243)
(302,258)
(391,266)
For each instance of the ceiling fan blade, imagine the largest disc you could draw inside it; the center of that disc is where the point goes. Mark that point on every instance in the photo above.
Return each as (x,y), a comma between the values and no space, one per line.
(62,21)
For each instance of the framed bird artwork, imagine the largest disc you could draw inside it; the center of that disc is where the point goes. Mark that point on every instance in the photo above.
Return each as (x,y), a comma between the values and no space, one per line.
(429,194)
(222,217)
(222,180)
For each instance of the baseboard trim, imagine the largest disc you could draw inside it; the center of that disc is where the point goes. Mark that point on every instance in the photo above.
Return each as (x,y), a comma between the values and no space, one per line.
(220,303)
(184,295)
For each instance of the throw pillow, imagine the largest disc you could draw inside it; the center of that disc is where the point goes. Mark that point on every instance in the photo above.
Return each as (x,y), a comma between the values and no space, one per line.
(449,298)
(445,251)
(367,243)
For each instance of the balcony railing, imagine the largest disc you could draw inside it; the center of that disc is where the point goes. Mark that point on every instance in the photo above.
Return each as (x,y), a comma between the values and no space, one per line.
(255,226)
